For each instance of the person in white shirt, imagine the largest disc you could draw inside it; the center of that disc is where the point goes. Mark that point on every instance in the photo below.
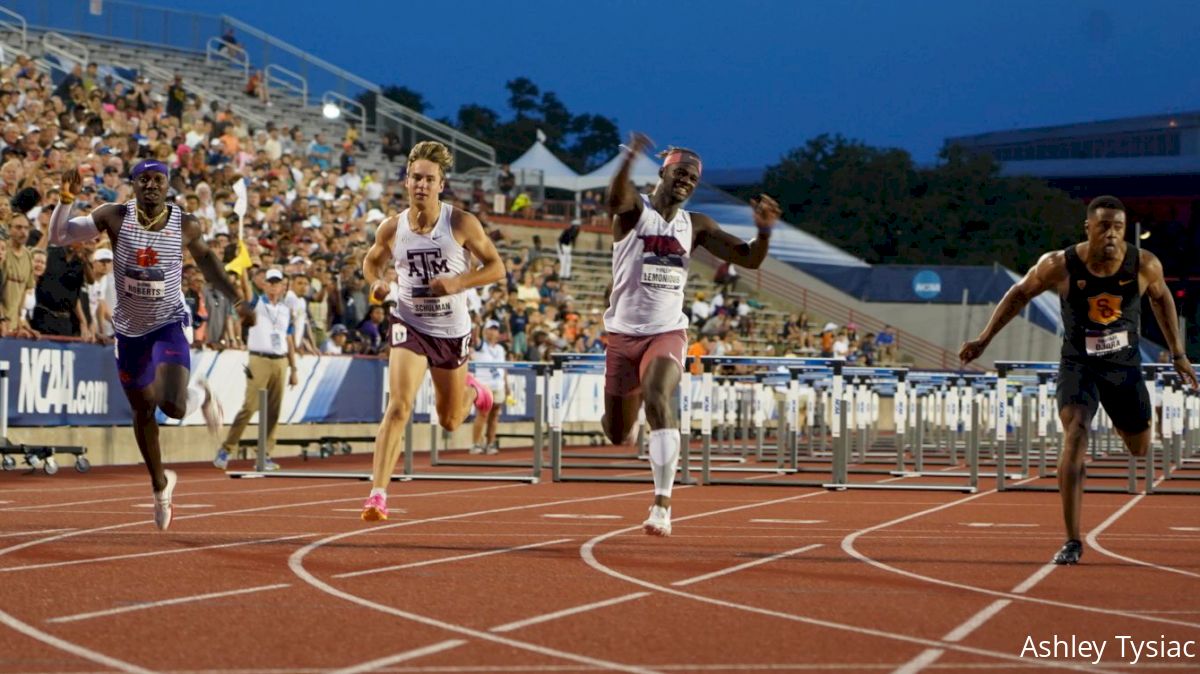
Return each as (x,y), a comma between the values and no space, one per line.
(272,354)
(350,180)
(102,293)
(297,302)
(841,345)
(701,310)
(334,346)
(496,379)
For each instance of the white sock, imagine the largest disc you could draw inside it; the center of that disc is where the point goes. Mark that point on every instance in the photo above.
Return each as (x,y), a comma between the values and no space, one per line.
(664,457)
(377,490)
(195,398)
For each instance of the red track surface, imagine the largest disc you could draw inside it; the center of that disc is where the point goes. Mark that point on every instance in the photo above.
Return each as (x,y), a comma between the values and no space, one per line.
(250,577)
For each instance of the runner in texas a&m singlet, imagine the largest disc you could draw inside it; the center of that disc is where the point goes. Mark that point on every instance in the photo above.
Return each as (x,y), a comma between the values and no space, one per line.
(653,238)
(430,327)
(153,358)
(1100,283)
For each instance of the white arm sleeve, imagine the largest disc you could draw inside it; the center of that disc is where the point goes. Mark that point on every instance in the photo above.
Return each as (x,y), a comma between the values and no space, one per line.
(65,230)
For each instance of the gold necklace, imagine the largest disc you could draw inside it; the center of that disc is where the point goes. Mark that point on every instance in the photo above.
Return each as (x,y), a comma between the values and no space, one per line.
(153,222)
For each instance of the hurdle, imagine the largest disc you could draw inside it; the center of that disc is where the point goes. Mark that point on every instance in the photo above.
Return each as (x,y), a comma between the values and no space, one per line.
(36,456)
(560,397)
(408,473)
(1176,446)
(1003,369)
(535,464)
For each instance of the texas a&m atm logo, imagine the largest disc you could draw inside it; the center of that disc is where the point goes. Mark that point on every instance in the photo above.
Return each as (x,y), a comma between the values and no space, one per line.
(427,264)
(1104,308)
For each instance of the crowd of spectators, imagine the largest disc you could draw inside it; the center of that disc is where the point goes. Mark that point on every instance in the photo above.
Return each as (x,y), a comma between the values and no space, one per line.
(311,213)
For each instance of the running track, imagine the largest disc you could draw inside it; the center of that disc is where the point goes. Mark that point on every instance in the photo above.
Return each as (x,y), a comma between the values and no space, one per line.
(280,576)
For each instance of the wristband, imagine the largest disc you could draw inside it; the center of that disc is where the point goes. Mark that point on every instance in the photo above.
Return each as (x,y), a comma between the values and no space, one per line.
(65,197)
(1179,356)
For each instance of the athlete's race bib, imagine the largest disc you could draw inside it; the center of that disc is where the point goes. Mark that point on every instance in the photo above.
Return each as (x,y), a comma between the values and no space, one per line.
(1103,343)
(664,273)
(399,334)
(147,282)
(427,306)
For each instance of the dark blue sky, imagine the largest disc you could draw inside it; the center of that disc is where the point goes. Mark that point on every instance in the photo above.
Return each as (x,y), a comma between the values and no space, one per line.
(742,82)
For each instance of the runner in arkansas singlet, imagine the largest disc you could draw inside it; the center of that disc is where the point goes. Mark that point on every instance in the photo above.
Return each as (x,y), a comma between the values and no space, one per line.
(650,270)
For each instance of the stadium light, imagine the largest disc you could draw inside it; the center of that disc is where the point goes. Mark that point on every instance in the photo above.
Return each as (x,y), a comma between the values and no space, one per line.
(331,111)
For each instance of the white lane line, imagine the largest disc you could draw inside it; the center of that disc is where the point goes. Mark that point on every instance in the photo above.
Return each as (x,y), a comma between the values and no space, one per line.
(589,557)
(926,658)
(296,564)
(1093,540)
(976,621)
(156,553)
(166,602)
(568,516)
(113,663)
(401,657)
(178,506)
(1034,578)
(444,560)
(46,506)
(771,521)
(547,617)
(848,547)
(1000,525)
(747,565)
(16,534)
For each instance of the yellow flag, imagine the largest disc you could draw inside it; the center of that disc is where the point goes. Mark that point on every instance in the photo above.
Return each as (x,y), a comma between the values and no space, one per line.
(242,262)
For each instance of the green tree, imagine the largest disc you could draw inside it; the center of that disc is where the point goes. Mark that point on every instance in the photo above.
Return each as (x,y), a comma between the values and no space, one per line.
(397,93)
(522,96)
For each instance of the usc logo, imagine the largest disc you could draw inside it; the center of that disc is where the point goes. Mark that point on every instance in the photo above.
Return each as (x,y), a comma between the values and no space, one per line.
(1104,308)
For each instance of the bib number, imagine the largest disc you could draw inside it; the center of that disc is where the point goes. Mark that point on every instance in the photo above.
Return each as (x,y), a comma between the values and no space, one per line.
(399,334)
(663,277)
(1100,344)
(148,283)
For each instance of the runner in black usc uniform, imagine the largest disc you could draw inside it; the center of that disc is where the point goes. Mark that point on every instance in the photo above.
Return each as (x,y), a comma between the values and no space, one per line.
(1100,282)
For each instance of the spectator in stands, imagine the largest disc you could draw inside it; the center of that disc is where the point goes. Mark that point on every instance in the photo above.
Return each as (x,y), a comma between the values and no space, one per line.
(566,244)
(176,97)
(61,306)
(30,302)
(19,279)
(701,310)
(337,341)
(372,330)
(195,301)
(700,345)
(506,182)
(490,350)
(841,344)
(885,341)
(827,340)
(320,153)
(72,79)
(727,277)
(229,44)
(392,147)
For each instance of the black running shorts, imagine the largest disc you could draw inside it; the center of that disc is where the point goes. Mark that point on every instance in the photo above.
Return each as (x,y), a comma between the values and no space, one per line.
(1120,388)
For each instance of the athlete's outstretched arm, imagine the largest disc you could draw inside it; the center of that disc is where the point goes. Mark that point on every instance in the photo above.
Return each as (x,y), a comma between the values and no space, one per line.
(476,241)
(1163,306)
(375,262)
(211,267)
(1049,271)
(624,203)
(65,230)
(731,249)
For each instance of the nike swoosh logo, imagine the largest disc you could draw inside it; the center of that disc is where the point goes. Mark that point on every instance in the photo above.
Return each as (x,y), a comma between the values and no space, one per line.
(1125,283)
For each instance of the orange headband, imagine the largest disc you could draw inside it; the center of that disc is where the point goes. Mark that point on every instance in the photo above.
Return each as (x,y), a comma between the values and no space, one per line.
(677,156)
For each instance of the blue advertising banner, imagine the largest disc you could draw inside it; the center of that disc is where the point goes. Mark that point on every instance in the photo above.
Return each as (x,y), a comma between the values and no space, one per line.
(68,383)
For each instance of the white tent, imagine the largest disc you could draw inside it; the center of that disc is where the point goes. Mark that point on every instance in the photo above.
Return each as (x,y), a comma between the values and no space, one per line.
(645,172)
(555,173)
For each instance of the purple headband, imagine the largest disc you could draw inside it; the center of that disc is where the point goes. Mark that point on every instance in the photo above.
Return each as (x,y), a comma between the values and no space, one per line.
(149,165)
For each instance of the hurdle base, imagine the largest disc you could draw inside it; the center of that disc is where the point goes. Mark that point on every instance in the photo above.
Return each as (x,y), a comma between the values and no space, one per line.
(842,486)
(344,475)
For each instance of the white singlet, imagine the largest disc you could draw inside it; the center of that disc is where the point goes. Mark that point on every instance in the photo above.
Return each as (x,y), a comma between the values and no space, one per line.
(148,271)
(420,258)
(650,270)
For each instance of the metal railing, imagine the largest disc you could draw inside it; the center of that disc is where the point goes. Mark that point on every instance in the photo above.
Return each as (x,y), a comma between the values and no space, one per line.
(277,74)
(164,76)
(65,48)
(350,108)
(13,22)
(217,49)
(923,352)
(424,128)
